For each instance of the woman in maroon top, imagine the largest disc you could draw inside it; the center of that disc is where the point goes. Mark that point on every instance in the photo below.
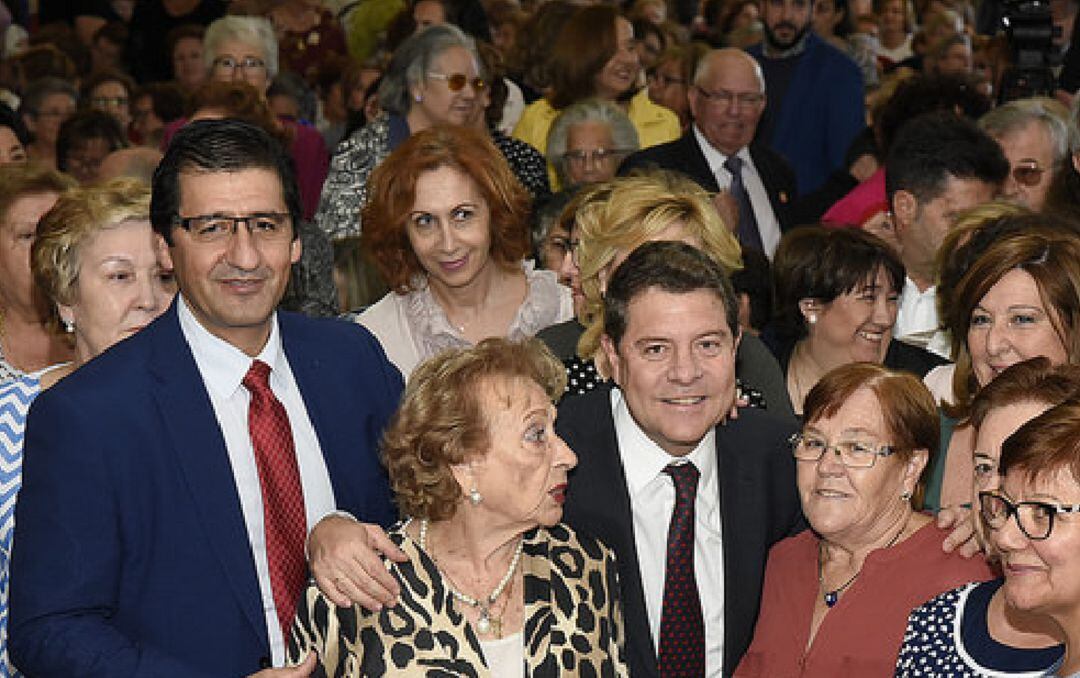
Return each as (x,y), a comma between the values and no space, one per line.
(836,598)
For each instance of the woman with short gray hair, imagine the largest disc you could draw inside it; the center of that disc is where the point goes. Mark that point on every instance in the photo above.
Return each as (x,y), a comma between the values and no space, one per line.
(588,141)
(253,32)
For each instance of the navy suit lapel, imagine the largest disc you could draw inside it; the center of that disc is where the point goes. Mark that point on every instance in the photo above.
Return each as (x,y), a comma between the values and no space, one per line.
(192,432)
(321,404)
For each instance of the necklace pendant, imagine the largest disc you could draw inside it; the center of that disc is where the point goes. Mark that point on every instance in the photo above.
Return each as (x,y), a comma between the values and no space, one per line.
(483,624)
(830,598)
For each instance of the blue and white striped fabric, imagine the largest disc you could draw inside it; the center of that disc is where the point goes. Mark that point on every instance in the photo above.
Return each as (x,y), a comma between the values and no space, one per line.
(15,399)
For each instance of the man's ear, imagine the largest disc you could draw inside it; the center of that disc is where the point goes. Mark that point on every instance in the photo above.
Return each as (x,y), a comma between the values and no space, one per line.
(164,251)
(611,352)
(904,208)
(296,248)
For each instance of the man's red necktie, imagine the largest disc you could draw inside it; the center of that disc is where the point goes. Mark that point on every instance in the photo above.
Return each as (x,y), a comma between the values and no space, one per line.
(283,498)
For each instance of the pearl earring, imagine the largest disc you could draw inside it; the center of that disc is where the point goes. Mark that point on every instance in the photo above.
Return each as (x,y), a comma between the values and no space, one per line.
(474,497)
(812,318)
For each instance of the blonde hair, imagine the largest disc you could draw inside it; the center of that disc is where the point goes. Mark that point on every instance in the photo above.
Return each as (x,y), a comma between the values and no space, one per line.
(79,214)
(616,217)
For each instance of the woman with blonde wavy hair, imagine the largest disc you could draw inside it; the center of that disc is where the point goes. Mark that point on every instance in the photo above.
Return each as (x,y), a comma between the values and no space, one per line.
(610,221)
(98,261)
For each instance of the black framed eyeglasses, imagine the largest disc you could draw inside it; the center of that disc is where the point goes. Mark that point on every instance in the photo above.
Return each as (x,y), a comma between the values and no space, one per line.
(746,100)
(1034,518)
(456,82)
(852,453)
(246,64)
(216,228)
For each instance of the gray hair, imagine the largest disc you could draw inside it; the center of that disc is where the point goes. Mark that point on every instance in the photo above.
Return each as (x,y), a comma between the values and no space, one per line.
(250,30)
(412,62)
(38,90)
(705,63)
(1016,115)
(623,133)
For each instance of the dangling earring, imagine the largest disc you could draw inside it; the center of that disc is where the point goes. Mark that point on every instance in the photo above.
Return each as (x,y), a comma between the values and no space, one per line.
(69,326)
(474,496)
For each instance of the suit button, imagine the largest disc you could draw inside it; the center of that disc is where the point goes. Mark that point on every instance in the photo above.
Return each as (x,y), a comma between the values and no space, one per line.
(265,663)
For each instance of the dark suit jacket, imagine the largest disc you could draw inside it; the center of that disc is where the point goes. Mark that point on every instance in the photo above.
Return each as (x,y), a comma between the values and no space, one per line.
(133,556)
(759,506)
(684,155)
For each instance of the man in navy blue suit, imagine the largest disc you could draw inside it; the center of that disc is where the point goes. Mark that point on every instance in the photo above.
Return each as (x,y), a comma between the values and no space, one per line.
(170,483)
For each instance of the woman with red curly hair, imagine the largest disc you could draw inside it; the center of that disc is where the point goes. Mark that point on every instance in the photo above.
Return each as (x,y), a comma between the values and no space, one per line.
(446,227)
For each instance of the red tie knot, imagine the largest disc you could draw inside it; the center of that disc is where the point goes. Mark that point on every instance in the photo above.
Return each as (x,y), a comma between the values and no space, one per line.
(257,379)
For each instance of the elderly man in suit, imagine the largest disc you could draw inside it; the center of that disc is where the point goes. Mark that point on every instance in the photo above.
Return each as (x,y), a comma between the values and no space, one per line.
(718,152)
(170,483)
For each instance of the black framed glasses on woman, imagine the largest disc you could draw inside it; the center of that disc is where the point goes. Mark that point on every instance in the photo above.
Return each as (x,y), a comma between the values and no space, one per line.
(1035,518)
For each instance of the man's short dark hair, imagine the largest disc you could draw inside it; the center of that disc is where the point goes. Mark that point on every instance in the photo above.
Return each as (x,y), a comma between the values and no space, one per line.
(218,146)
(935,147)
(668,266)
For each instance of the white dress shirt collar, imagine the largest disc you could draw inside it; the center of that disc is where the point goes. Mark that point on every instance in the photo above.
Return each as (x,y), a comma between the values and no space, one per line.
(715,158)
(644,460)
(223,365)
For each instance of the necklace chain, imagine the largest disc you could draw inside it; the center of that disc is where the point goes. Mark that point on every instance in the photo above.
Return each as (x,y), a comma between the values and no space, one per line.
(832,597)
(485,623)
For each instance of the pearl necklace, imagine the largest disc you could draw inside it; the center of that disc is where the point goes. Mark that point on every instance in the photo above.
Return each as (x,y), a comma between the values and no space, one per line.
(486,623)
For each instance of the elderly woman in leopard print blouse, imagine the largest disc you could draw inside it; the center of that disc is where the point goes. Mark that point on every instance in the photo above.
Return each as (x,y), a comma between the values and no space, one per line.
(493,584)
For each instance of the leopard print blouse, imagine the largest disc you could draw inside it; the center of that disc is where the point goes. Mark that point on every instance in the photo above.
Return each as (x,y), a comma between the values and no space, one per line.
(573,619)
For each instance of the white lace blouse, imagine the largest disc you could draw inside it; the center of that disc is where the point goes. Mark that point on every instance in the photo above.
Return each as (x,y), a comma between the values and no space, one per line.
(412,327)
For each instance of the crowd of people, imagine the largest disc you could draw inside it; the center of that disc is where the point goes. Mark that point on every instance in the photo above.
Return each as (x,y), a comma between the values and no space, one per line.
(508,337)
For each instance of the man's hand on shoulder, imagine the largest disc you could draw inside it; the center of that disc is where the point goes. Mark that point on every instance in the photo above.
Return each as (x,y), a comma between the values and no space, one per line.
(302,671)
(346,560)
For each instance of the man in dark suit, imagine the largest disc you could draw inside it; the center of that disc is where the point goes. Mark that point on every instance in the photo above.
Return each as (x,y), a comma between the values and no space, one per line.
(671,335)
(170,483)
(727,100)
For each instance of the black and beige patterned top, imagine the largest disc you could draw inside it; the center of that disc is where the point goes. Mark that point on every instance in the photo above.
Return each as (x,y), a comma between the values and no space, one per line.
(573,619)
